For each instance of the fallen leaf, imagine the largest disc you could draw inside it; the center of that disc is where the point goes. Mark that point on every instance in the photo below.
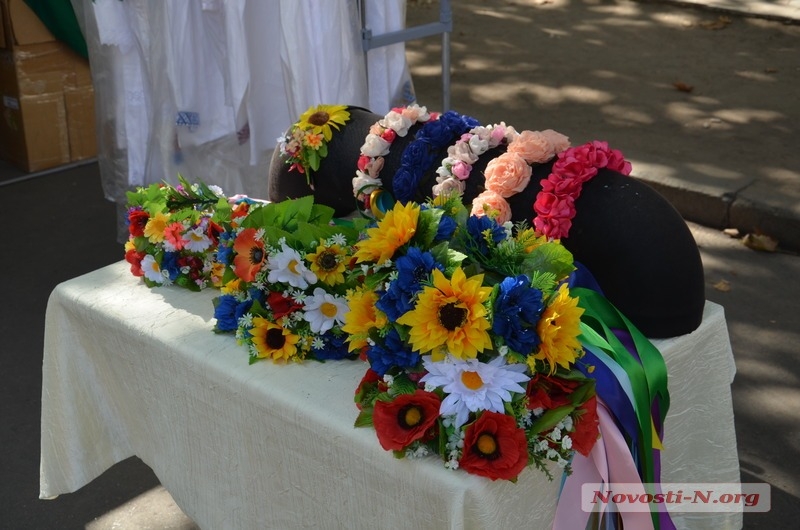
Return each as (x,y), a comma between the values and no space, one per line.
(732,232)
(760,242)
(683,87)
(722,22)
(722,286)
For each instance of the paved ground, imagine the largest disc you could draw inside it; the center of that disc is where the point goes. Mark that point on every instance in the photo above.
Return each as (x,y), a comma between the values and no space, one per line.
(724,152)
(704,102)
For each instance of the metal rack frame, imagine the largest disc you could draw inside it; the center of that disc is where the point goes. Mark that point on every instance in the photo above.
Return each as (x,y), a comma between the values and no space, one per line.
(444,27)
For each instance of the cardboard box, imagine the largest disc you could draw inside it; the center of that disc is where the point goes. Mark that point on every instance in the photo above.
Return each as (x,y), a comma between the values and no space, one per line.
(47,95)
(21,26)
(45,68)
(33,131)
(79,104)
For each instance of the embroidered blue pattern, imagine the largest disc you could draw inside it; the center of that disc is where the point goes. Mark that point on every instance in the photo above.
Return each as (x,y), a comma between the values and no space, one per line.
(188,119)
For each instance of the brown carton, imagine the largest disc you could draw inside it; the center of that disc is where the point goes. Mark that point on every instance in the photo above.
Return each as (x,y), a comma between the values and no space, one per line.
(21,26)
(47,95)
(79,103)
(33,131)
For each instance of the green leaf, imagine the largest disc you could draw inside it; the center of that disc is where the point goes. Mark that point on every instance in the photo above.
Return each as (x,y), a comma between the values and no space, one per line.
(550,257)
(313,159)
(550,419)
(403,385)
(364,419)
(427,226)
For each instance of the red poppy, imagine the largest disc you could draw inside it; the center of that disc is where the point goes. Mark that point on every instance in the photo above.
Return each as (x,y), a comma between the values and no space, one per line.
(587,427)
(405,419)
(137,219)
(213,232)
(494,447)
(550,392)
(370,383)
(135,259)
(250,254)
(281,305)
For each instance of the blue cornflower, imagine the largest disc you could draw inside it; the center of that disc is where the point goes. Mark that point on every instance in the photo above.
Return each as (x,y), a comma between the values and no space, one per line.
(334,347)
(224,250)
(412,269)
(446,229)
(394,352)
(228,310)
(480,230)
(169,263)
(516,312)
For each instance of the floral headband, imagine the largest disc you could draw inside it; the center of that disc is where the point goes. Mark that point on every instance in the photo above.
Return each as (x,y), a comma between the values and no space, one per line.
(306,143)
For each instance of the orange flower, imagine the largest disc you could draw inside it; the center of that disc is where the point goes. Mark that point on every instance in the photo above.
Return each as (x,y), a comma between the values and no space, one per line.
(250,254)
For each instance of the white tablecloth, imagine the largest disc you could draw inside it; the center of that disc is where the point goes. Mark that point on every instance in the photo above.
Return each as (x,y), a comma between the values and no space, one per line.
(134,371)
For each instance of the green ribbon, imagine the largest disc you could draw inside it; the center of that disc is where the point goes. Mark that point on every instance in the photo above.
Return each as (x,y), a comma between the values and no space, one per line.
(648,375)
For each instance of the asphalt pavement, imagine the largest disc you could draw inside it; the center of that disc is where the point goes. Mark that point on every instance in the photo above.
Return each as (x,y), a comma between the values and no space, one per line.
(58,226)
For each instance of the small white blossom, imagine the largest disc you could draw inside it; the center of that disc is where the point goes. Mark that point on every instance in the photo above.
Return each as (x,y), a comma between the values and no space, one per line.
(566,443)
(555,434)
(337,239)
(568,423)
(451,464)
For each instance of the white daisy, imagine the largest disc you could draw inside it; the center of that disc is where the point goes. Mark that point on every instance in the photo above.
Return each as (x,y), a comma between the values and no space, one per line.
(197,240)
(323,310)
(152,270)
(472,385)
(287,266)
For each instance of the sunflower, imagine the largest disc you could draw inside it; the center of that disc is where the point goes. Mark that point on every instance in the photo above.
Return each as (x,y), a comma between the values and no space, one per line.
(361,317)
(250,254)
(321,118)
(393,231)
(450,314)
(559,328)
(273,341)
(328,263)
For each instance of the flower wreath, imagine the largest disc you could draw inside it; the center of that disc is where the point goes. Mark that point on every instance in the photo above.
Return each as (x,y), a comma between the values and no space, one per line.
(397,122)
(511,172)
(484,351)
(174,232)
(467,325)
(456,168)
(287,270)
(306,143)
(555,203)
(420,154)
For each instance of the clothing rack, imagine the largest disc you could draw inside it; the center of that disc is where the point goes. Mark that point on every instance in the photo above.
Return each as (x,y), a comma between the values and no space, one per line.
(444,27)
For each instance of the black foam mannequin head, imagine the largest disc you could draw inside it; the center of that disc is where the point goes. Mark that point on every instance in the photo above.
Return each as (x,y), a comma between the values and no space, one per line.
(630,238)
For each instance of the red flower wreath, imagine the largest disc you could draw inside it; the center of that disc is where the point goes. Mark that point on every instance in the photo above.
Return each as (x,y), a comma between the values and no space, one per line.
(555,204)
